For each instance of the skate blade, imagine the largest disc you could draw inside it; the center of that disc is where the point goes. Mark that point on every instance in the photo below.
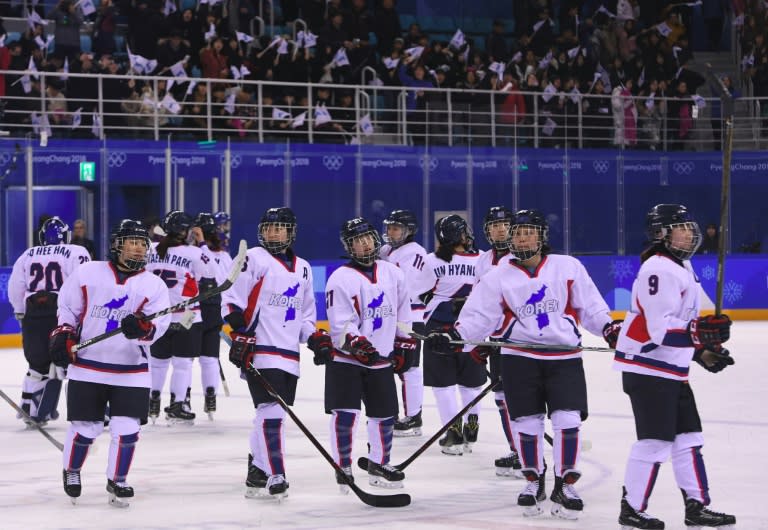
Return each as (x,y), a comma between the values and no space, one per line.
(210,416)
(179,421)
(700,527)
(381,482)
(73,500)
(564,513)
(255,493)
(117,502)
(509,472)
(408,433)
(343,489)
(468,447)
(153,419)
(454,450)
(532,511)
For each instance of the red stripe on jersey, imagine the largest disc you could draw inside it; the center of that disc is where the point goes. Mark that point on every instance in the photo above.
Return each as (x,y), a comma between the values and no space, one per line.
(356,303)
(252,299)
(638,329)
(569,310)
(508,316)
(142,304)
(85,303)
(190,286)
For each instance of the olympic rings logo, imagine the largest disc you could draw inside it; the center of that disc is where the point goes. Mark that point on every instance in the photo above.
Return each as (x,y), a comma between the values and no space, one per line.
(600,166)
(333,162)
(116,159)
(683,168)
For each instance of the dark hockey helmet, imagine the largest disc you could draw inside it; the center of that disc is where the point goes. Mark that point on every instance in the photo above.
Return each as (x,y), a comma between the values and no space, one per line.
(661,222)
(526,223)
(360,230)
(176,223)
(453,230)
(404,218)
(131,257)
(206,223)
(222,221)
(277,218)
(498,215)
(54,232)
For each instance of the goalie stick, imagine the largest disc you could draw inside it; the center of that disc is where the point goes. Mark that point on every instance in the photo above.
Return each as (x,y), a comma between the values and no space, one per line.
(29,421)
(234,272)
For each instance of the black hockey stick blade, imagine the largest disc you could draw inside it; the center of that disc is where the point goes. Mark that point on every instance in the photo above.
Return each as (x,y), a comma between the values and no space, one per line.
(30,421)
(234,272)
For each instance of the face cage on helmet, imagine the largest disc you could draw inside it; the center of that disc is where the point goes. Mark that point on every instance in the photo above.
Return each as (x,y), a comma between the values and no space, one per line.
(131,264)
(526,254)
(277,247)
(407,232)
(368,259)
(498,245)
(678,252)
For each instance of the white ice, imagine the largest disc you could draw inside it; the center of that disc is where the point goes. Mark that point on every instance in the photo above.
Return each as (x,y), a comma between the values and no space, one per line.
(192,477)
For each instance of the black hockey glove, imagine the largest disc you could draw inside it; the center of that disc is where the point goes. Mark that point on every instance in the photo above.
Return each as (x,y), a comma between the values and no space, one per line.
(60,342)
(713,360)
(611,332)
(439,340)
(708,331)
(404,354)
(135,327)
(361,349)
(242,350)
(322,346)
(480,354)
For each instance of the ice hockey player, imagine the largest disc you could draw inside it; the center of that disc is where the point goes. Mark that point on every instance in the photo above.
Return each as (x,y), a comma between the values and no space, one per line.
(33,289)
(660,336)
(96,298)
(271,309)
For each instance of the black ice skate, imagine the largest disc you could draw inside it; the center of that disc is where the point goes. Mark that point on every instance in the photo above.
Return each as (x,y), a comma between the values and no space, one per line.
(453,441)
(630,518)
(470,432)
(256,481)
(344,484)
(179,414)
(154,405)
(533,493)
(384,476)
(210,402)
(699,516)
(566,503)
(509,466)
(72,485)
(119,492)
(408,426)
(277,486)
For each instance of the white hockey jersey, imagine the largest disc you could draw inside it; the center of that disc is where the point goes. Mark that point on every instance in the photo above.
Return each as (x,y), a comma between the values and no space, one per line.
(218,262)
(42,268)
(445,282)
(543,307)
(278,304)
(410,258)
(654,339)
(488,260)
(95,298)
(370,306)
(181,269)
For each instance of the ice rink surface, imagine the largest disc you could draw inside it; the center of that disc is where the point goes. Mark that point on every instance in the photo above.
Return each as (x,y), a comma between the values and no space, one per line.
(193,477)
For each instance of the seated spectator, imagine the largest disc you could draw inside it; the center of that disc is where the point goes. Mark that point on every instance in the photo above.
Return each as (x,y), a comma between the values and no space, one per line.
(709,241)
(79,238)
(58,115)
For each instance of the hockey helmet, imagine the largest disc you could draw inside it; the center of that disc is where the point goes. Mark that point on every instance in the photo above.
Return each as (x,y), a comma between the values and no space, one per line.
(130,258)
(360,231)
(660,223)
(277,218)
(498,216)
(404,218)
(54,232)
(526,223)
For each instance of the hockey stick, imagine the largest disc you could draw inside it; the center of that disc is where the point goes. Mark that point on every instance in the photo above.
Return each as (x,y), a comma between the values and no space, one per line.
(223,379)
(378,501)
(30,421)
(226,284)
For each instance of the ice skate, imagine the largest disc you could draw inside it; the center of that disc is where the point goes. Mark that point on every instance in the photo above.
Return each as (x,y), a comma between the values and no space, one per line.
(277,487)
(179,414)
(119,493)
(343,485)
(532,494)
(154,406)
(408,426)
(210,402)
(509,466)
(453,441)
(698,516)
(72,485)
(255,482)
(384,476)
(470,432)
(630,518)
(566,503)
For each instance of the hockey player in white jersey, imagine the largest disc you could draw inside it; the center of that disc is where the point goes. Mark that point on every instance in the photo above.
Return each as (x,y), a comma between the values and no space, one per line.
(446,280)
(366,299)
(219,263)
(400,248)
(541,298)
(660,336)
(181,267)
(96,298)
(271,309)
(33,289)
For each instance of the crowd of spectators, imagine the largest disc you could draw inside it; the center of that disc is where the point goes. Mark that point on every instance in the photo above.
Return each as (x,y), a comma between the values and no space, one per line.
(621,65)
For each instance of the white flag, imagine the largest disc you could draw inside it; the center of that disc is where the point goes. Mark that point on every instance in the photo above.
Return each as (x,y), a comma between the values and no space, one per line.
(2,40)
(65,70)
(575,95)
(573,52)
(178,70)
(641,79)
(35,120)
(299,120)
(26,84)
(282,49)
(211,33)
(322,115)
(549,127)
(602,9)
(86,6)
(544,63)
(77,118)
(415,52)
(341,59)
(366,127)
(516,58)
(33,68)
(40,42)
(537,26)
(244,72)
(458,39)
(390,63)
(235,72)
(229,105)
(699,101)
(498,68)
(279,114)
(170,104)
(739,21)
(191,88)
(549,92)
(150,65)
(664,29)
(243,37)
(45,126)
(310,40)
(170,7)
(694,4)
(649,103)
(675,50)
(33,18)
(96,127)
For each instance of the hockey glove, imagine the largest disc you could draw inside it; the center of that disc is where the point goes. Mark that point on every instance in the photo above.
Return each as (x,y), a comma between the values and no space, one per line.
(242,350)
(60,343)
(480,354)
(135,327)
(322,346)
(713,360)
(708,331)
(439,340)
(611,332)
(361,349)
(236,320)
(404,354)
